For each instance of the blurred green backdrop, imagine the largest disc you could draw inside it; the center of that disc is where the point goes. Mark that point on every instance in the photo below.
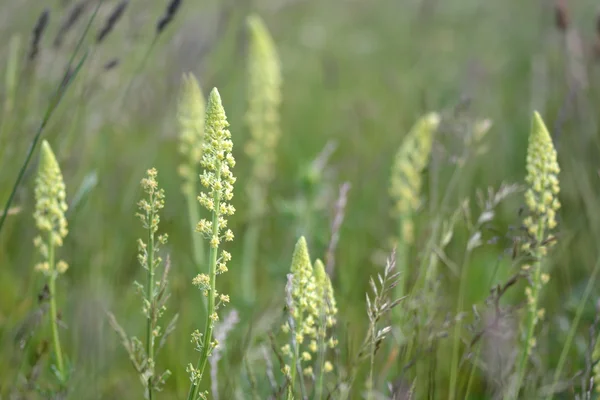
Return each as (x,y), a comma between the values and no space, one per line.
(357,74)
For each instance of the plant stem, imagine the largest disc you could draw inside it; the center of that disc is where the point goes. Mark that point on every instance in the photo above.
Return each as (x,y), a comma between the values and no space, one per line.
(150,301)
(472,374)
(574,325)
(457,327)
(290,395)
(401,257)
(53,314)
(212,268)
(531,315)
(321,359)
(372,363)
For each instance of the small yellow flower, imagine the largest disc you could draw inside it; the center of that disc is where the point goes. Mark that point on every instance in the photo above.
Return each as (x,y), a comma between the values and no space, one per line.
(308,371)
(327,367)
(62,267)
(306,356)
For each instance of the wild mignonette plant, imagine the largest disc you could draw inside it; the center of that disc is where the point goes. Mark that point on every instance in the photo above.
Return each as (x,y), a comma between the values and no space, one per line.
(50,208)
(327,309)
(405,185)
(264,99)
(190,115)
(218,180)
(311,314)
(154,293)
(541,199)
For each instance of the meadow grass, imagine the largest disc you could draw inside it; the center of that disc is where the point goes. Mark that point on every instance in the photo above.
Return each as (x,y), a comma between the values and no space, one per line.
(415,147)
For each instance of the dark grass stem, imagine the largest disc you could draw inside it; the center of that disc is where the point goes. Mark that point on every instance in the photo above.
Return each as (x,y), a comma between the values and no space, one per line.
(69,76)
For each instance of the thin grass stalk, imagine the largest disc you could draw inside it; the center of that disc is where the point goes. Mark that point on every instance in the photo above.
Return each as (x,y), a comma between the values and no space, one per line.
(454,366)
(472,374)
(371,363)
(402,255)
(68,77)
(565,351)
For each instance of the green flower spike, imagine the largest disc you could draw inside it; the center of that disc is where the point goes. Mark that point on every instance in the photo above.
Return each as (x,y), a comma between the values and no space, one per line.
(49,215)
(190,116)
(327,319)
(303,309)
(542,202)
(405,186)
(262,117)
(218,181)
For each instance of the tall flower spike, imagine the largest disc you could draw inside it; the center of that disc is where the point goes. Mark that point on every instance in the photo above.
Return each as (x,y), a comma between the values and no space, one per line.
(264,97)
(218,180)
(410,161)
(304,287)
(190,116)
(50,198)
(325,298)
(49,215)
(302,303)
(541,197)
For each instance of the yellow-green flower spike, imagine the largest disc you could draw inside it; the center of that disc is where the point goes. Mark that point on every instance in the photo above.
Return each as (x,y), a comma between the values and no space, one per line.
(304,287)
(190,117)
(410,161)
(49,215)
(264,98)
(325,298)
(218,180)
(50,196)
(542,202)
(541,197)
(217,177)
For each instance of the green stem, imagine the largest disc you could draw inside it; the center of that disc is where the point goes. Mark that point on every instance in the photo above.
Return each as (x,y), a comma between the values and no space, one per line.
(457,327)
(150,301)
(212,267)
(290,395)
(472,374)
(572,331)
(402,256)
(53,314)
(531,315)
(372,364)
(321,360)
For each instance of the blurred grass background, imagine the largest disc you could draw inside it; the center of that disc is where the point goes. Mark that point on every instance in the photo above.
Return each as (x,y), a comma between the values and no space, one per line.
(357,74)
